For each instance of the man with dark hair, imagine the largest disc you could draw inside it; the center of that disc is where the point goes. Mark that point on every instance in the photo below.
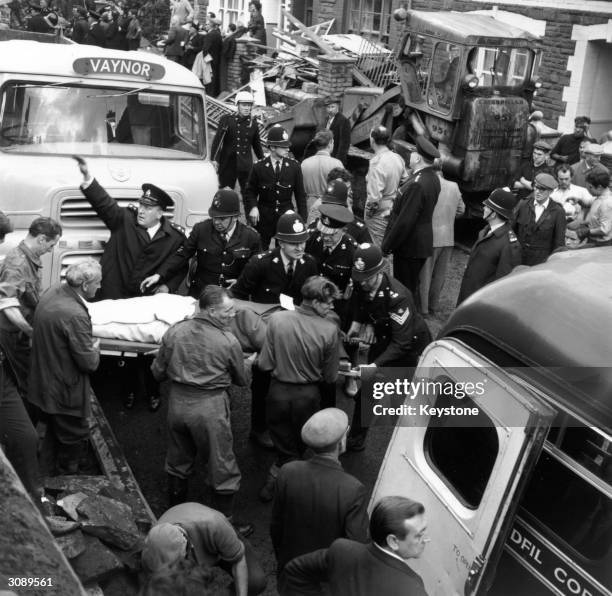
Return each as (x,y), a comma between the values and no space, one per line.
(80,28)
(316,501)
(64,353)
(538,164)
(409,233)
(497,250)
(301,350)
(316,168)
(201,358)
(597,227)
(20,290)
(566,148)
(398,530)
(257,26)
(340,127)
(385,174)
(539,222)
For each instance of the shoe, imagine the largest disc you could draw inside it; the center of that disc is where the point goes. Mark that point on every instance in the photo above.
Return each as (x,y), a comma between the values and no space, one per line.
(129,401)
(351,387)
(356,443)
(262,439)
(243,528)
(154,403)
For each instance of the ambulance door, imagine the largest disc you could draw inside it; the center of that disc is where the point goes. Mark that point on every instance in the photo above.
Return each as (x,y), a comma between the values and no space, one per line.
(468,478)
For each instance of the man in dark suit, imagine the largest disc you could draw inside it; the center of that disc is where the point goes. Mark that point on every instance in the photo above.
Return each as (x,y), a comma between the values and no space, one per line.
(37,22)
(265,277)
(231,148)
(64,352)
(272,184)
(176,42)
(96,36)
(316,501)
(212,46)
(540,222)
(497,250)
(221,245)
(409,234)
(339,125)
(398,530)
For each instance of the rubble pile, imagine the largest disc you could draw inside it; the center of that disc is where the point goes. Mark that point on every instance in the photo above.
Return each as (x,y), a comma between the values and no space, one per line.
(96,528)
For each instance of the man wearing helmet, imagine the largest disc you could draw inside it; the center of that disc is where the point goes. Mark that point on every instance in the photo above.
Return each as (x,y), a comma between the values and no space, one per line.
(231,148)
(222,247)
(497,250)
(273,182)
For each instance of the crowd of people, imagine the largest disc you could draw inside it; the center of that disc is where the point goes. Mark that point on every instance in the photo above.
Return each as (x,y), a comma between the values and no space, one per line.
(357,294)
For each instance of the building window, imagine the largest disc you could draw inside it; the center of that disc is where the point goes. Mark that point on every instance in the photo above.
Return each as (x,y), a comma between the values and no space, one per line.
(232,11)
(370,18)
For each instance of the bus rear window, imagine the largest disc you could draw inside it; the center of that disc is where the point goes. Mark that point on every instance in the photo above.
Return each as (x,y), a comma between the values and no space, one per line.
(69,119)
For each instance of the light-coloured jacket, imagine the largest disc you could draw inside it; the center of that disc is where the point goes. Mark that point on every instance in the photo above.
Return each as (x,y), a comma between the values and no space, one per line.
(449,206)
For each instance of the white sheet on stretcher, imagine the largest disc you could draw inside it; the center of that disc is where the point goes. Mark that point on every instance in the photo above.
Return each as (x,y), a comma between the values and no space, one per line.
(143,319)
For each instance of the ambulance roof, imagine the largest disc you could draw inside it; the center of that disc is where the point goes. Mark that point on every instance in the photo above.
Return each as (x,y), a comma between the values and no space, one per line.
(33,57)
(468,28)
(557,315)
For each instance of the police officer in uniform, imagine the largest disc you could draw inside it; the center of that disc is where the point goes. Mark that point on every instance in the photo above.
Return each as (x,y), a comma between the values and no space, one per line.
(272,184)
(265,277)
(332,247)
(383,315)
(231,148)
(497,250)
(409,234)
(221,245)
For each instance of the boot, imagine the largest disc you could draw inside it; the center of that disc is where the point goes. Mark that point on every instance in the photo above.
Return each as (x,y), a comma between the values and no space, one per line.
(177,490)
(224,503)
(266,494)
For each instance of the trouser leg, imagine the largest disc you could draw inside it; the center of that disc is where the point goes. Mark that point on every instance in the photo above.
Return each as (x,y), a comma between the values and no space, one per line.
(71,434)
(257,576)
(439,275)
(260,385)
(406,271)
(181,453)
(425,283)
(18,435)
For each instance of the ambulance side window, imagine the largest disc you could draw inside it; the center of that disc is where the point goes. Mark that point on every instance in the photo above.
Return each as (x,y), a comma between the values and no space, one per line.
(464,457)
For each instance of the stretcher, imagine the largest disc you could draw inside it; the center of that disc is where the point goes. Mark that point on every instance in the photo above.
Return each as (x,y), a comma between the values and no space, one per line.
(126,349)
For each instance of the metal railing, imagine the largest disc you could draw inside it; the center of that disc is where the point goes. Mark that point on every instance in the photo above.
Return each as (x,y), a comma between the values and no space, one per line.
(377,64)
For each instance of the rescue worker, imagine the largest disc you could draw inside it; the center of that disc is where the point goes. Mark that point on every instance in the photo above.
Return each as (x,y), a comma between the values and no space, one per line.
(316,501)
(20,290)
(409,234)
(529,170)
(222,246)
(384,316)
(272,184)
(265,277)
(301,350)
(540,222)
(340,127)
(497,250)
(332,247)
(141,239)
(201,358)
(231,148)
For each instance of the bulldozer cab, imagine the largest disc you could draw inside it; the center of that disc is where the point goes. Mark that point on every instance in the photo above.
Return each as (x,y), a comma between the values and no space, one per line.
(444,56)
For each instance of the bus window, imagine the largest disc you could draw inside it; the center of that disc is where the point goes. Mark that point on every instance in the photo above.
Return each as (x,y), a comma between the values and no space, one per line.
(444,73)
(500,67)
(69,119)
(464,457)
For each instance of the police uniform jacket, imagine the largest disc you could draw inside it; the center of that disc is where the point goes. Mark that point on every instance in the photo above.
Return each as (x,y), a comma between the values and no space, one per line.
(264,278)
(359,231)
(351,569)
(63,354)
(409,232)
(217,260)
(338,264)
(271,195)
(400,332)
(231,147)
(315,502)
(493,255)
(539,239)
(130,255)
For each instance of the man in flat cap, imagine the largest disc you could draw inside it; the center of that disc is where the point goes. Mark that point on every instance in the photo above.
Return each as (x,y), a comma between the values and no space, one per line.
(530,169)
(497,250)
(566,148)
(590,161)
(409,235)
(338,124)
(540,222)
(316,501)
